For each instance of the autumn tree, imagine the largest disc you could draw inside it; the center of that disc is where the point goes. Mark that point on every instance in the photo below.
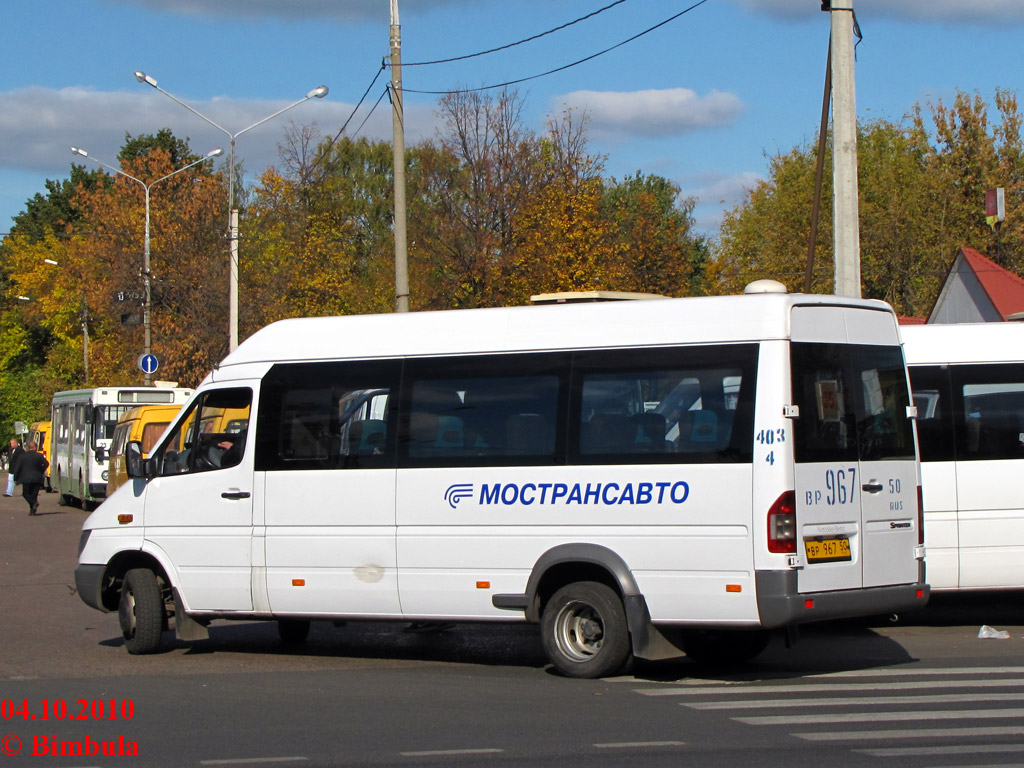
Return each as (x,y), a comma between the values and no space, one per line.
(966,156)
(655,247)
(470,189)
(922,192)
(78,274)
(318,235)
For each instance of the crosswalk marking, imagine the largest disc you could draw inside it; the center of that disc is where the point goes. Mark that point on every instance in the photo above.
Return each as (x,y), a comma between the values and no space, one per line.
(903,671)
(882,717)
(912,733)
(955,749)
(825,688)
(952,698)
(879,701)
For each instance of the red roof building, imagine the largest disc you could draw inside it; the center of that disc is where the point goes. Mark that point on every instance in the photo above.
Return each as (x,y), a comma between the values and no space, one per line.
(977,290)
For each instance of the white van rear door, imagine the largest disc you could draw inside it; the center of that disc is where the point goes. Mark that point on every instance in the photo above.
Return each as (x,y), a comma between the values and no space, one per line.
(856,473)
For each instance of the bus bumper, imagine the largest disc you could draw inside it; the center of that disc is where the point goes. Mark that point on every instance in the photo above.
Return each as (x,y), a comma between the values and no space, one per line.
(89,582)
(781,605)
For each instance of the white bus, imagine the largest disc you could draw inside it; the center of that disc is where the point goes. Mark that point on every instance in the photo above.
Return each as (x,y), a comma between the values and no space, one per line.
(83,425)
(968,384)
(639,478)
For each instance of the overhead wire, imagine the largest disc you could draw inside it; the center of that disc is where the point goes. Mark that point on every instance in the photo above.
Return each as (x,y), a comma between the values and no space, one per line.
(380,98)
(337,136)
(518,42)
(563,67)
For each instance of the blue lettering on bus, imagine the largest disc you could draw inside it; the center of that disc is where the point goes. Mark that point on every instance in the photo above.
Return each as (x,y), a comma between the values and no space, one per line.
(606,494)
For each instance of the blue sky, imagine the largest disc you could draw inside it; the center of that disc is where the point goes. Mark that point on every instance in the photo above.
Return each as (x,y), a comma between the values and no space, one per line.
(704,100)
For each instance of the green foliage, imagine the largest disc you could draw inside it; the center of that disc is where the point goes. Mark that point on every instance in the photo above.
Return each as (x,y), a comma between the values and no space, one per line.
(56,211)
(135,148)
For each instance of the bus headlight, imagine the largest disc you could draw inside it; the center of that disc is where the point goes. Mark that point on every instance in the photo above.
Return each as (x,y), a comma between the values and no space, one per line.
(105,475)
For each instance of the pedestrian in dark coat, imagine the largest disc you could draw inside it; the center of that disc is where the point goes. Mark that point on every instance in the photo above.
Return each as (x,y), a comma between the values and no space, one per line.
(30,471)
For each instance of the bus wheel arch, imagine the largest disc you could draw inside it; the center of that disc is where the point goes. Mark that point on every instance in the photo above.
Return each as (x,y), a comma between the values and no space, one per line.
(591,612)
(118,568)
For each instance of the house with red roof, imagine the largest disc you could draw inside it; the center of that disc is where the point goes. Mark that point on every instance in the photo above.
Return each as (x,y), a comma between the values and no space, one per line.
(977,290)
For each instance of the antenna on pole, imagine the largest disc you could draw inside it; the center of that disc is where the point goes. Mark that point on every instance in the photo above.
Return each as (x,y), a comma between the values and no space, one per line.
(398,152)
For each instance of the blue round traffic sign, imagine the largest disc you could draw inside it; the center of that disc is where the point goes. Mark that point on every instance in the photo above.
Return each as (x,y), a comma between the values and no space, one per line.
(148,363)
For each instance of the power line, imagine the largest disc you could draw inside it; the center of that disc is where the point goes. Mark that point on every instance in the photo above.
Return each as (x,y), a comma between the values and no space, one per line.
(564,67)
(379,99)
(518,42)
(356,109)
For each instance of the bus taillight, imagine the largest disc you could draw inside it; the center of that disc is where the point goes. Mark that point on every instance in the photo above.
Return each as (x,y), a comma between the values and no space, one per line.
(782,524)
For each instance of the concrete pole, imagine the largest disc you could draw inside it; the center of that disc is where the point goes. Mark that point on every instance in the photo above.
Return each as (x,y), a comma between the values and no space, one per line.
(147,318)
(85,337)
(233,279)
(398,145)
(846,220)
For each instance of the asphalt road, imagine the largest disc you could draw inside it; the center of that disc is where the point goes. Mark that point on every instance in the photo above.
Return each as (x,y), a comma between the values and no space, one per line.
(371,694)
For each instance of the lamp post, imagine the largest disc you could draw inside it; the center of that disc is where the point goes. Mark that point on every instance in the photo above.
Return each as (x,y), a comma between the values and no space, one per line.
(317,93)
(147,300)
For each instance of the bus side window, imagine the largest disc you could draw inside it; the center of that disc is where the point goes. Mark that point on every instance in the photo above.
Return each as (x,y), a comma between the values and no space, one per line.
(188,449)
(679,405)
(493,410)
(333,415)
(992,411)
(935,432)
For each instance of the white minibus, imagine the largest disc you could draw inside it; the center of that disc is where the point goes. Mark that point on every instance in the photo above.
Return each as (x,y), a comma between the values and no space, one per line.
(83,422)
(642,478)
(968,384)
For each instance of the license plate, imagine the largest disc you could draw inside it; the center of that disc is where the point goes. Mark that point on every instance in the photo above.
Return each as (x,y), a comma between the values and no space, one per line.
(827,550)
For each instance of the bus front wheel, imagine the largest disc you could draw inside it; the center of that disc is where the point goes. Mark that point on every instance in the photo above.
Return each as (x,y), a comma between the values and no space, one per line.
(584,631)
(141,611)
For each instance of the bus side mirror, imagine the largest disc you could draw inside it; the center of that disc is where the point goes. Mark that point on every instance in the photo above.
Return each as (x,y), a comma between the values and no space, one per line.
(135,465)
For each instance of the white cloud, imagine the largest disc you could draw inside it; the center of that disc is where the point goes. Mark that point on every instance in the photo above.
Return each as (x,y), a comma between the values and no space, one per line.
(292,10)
(39,125)
(988,12)
(618,116)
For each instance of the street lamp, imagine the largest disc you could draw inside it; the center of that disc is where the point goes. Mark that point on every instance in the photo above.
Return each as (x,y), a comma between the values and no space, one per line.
(146,324)
(317,93)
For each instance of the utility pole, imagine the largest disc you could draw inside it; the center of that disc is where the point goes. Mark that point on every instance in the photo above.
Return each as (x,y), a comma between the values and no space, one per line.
(846,226)
(85,337)
(398,147)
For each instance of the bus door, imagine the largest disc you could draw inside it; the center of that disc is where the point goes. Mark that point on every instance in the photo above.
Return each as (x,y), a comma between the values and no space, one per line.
(855,471)
(325,454)
(989,401)
(199,507)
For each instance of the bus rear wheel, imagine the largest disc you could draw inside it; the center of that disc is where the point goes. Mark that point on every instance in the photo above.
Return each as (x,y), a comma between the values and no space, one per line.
(584,631)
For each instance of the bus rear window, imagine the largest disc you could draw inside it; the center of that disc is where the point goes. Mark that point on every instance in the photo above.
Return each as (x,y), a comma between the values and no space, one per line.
(853,403)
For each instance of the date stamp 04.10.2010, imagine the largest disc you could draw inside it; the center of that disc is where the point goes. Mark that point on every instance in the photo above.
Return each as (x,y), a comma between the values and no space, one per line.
(38,712)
